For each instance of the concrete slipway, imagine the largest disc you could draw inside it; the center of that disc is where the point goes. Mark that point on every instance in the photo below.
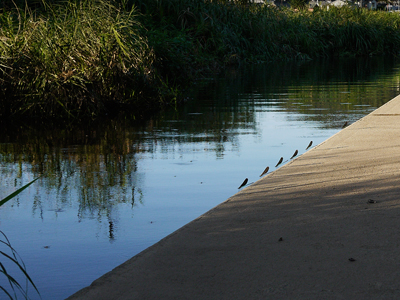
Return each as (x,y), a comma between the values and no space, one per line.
(324,226)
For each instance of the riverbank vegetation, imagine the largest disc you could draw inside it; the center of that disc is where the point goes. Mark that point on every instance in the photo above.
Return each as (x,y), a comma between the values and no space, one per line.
(84,60)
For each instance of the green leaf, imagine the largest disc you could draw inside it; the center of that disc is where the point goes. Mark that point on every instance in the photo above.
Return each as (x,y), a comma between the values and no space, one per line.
(7,293)
(9,197)
(22,269)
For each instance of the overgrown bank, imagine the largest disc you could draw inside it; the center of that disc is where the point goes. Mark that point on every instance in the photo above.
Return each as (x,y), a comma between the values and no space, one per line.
(83,60)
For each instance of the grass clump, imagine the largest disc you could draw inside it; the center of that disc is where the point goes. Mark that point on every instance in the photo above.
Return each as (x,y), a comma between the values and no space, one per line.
(357,32)
(75,59)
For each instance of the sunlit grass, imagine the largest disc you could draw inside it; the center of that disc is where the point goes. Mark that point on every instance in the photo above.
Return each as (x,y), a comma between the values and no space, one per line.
(72,59)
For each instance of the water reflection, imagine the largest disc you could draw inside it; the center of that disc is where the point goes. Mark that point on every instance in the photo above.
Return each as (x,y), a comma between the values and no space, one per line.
(128,186)
(83,170)
(100,165)
(318,91)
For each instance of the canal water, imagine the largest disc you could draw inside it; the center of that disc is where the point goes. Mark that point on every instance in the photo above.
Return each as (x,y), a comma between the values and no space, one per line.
(109,192)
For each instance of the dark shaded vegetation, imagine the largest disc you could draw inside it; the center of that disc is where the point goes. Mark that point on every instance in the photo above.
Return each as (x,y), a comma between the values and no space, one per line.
(89,59)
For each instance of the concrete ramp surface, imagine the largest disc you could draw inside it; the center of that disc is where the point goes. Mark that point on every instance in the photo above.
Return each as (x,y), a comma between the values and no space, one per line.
(324,226)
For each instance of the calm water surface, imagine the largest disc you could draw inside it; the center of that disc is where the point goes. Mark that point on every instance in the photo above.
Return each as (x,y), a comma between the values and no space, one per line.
(108,193)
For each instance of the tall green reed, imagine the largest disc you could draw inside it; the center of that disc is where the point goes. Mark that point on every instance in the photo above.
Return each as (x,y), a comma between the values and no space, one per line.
(13,258)
(355,32)
(72,59)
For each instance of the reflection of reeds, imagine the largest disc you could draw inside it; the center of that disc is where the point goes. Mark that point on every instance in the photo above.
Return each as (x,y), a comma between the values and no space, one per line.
(100,171)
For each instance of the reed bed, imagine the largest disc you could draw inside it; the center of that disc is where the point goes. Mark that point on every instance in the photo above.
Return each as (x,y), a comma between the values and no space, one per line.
(72,60)
(86,59)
